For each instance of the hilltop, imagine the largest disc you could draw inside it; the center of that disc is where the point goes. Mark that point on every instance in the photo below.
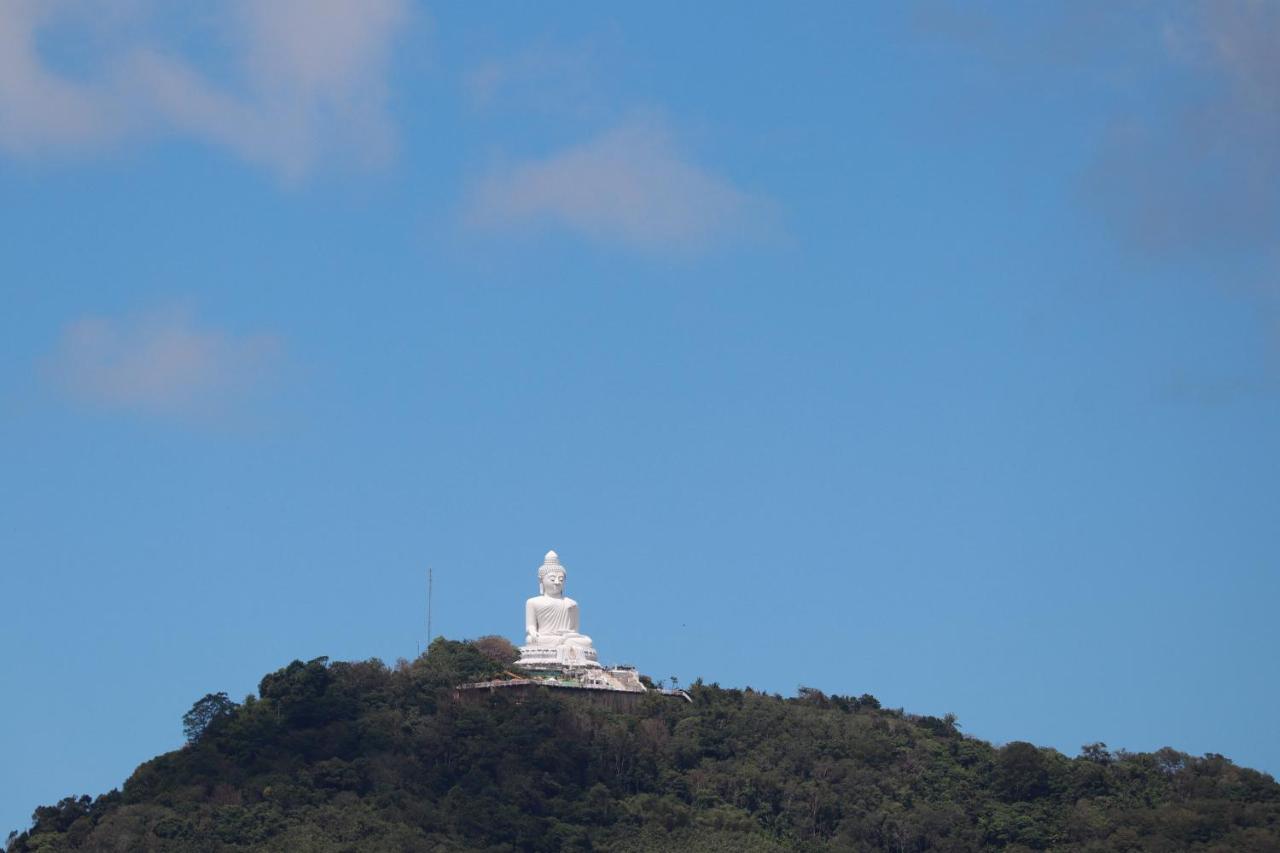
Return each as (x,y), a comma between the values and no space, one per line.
(365,757)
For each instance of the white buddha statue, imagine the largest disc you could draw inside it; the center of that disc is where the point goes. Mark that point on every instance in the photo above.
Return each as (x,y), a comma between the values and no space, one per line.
(551,622)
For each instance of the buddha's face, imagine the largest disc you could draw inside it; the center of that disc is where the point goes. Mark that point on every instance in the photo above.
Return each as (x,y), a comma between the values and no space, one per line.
(553,582)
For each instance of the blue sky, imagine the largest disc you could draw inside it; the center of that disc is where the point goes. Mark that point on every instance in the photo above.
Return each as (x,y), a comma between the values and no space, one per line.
(927,351)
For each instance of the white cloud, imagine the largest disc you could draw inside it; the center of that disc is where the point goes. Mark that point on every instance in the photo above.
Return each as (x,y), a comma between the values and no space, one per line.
(551,80)
(308,81)
(630,185)
(159,364)
(1202,169)
(37,107)
(1190,161)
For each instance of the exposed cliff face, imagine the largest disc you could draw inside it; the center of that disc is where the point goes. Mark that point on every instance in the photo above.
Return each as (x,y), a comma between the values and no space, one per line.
(357,756)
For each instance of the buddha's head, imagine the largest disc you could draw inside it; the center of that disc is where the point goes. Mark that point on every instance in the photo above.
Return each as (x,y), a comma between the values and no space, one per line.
(551,575)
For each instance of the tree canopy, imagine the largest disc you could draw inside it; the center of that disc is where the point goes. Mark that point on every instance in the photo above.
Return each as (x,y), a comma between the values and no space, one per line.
(359,756)
(204,713)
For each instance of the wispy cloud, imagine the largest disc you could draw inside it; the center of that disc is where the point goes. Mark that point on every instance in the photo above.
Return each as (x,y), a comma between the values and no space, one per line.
(547,79)
(39,108)
(1202,171)
(631,185)
(1191,159)
(308,80)
(159,364)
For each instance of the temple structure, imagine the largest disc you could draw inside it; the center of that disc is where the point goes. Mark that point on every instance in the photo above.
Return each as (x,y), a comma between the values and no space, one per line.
(557,656)
(553,644)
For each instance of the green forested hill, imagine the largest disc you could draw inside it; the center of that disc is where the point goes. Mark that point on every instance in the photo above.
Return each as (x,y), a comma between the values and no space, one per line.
(362,757)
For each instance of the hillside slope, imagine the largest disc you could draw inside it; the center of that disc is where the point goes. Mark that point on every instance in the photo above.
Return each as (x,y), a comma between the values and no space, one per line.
(362,757)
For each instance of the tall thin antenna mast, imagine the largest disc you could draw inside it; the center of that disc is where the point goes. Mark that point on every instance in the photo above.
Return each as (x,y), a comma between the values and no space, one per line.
(429,591)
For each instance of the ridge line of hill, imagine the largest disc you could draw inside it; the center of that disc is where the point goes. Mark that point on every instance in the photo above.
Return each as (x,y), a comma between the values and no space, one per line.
(359,756)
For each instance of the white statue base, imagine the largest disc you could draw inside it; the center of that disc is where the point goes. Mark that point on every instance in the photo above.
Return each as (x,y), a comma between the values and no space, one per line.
(557,657)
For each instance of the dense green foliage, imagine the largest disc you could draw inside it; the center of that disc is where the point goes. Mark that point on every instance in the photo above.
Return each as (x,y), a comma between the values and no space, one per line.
(362,757)
(204,713)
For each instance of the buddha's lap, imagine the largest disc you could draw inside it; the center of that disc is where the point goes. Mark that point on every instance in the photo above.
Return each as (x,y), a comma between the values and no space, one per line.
(575,639)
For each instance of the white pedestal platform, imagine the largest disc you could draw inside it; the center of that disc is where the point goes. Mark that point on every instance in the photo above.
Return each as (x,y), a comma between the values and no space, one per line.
(556,657)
